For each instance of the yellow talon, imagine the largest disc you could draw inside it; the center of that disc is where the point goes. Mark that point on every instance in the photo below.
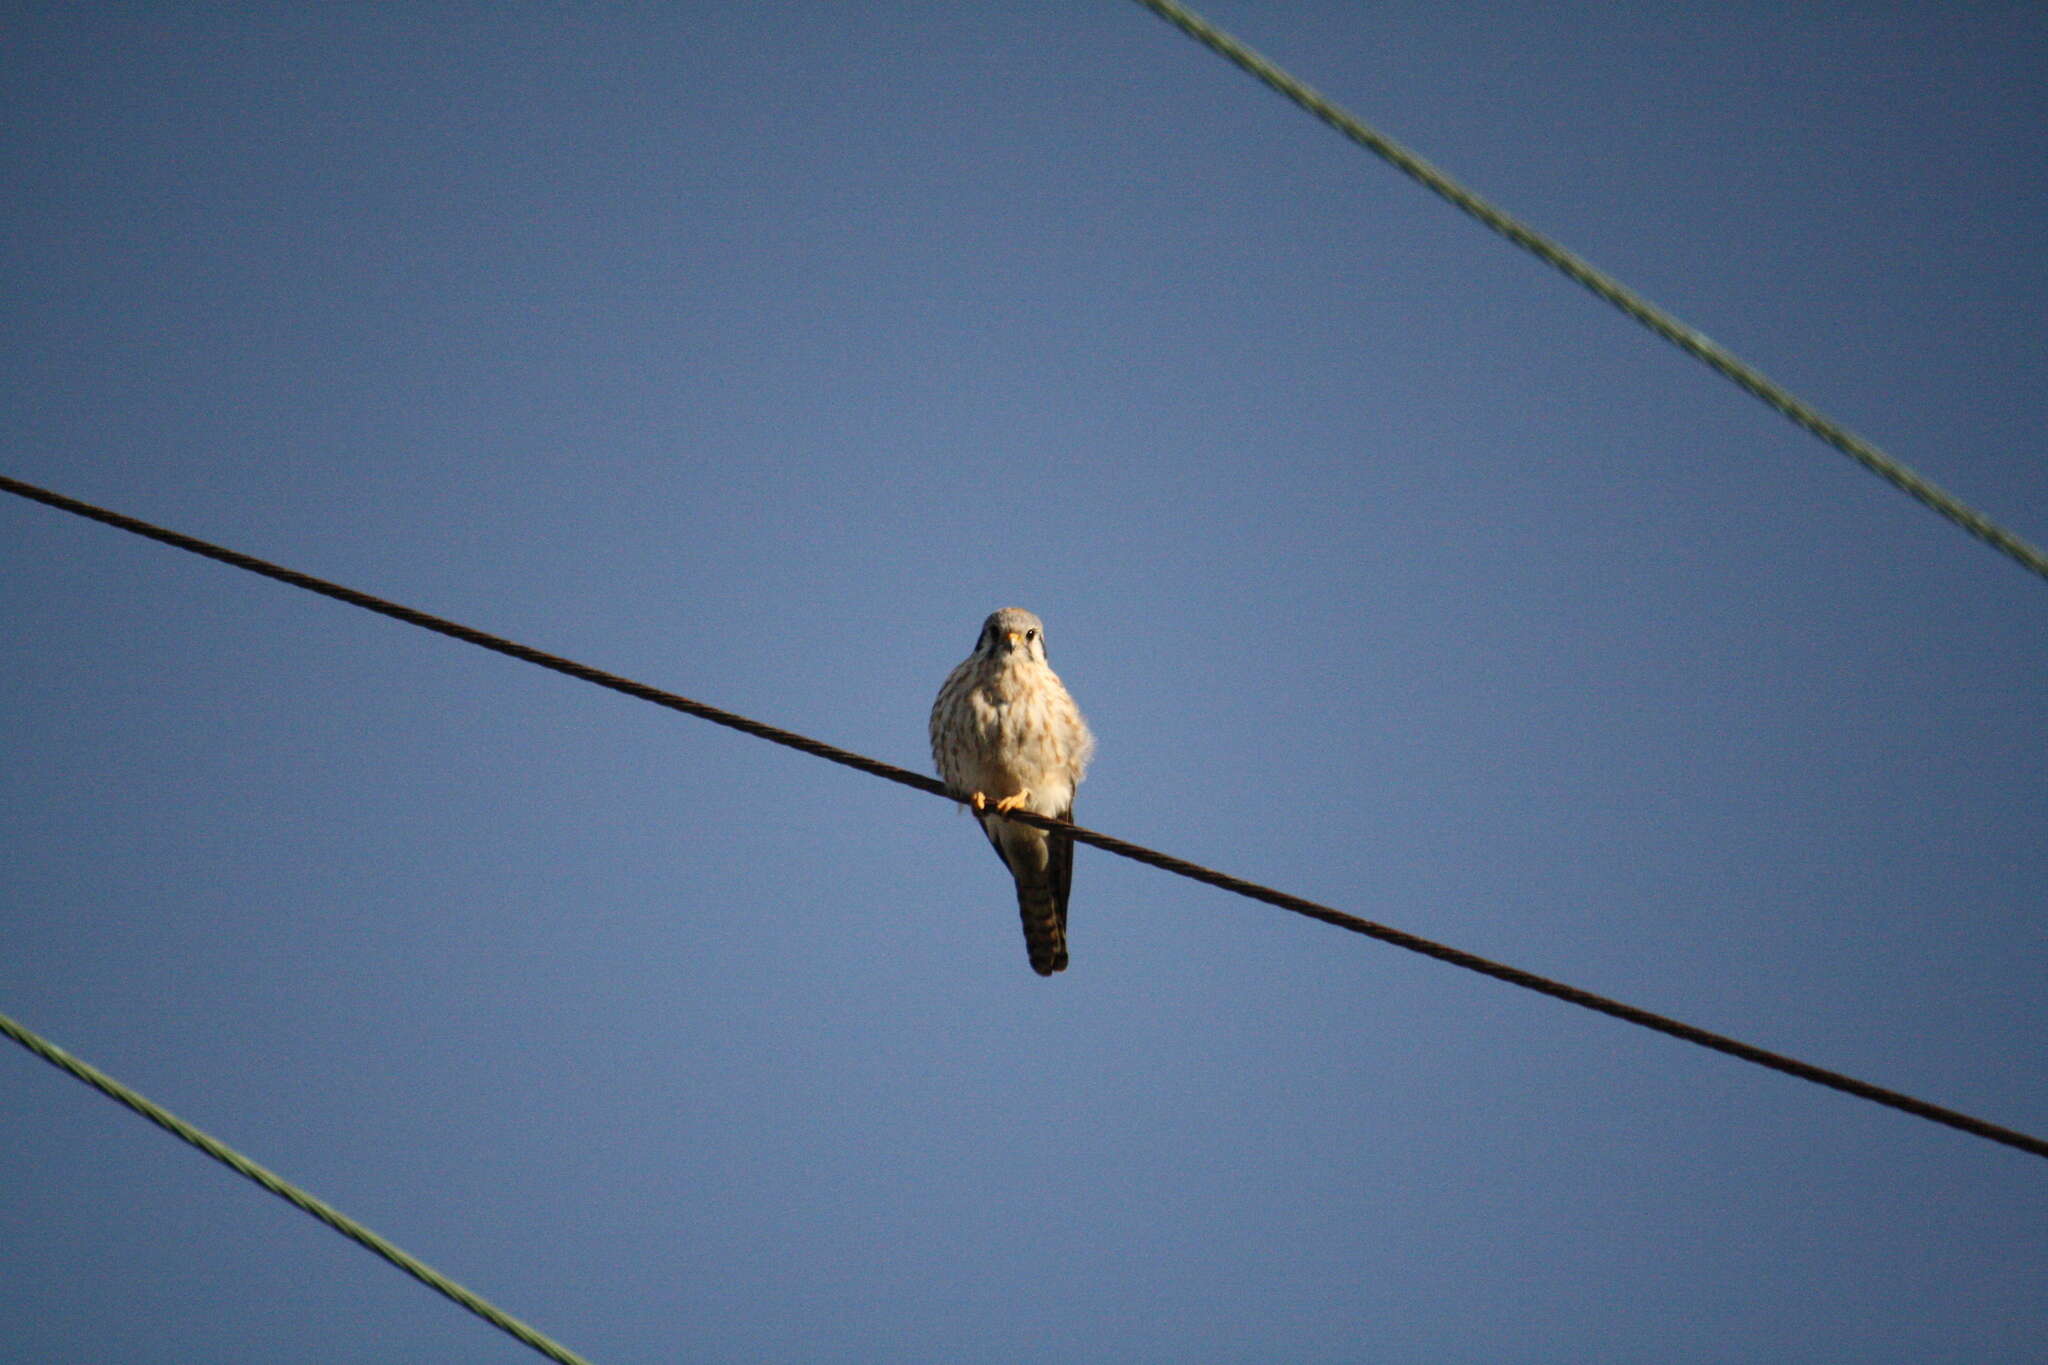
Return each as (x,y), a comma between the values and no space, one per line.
(1010,803)
(978,801)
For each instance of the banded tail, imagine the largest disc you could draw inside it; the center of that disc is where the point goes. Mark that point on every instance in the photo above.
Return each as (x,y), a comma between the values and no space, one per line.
(1045,926)
(1043,865)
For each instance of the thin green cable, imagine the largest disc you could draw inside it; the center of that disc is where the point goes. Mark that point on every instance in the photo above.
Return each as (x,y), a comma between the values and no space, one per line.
(1602,284)
(290,1193)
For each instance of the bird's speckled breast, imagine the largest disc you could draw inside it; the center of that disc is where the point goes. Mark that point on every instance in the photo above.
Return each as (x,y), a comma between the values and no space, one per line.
(1016,745)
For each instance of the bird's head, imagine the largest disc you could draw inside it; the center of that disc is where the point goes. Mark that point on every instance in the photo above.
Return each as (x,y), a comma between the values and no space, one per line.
(1012,634)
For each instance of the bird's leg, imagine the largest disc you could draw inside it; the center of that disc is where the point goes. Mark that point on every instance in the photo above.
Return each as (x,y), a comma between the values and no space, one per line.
(1010,803)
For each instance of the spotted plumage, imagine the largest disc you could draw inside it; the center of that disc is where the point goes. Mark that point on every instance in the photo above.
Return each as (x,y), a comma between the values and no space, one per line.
(1006,735)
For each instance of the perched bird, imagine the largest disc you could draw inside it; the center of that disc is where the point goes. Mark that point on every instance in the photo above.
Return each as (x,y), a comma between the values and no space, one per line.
(1006,735)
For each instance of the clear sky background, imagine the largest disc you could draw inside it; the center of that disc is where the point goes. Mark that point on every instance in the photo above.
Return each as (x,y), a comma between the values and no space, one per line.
(757,351)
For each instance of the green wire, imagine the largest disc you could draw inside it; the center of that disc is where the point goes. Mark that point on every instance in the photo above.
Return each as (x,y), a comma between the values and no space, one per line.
(290,1193)
(1604,285)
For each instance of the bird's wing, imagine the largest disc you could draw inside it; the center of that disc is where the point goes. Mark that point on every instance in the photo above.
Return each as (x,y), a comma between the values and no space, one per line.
(995,841)
(1059,855)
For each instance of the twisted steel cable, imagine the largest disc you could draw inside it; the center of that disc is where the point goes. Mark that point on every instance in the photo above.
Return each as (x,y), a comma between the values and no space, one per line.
(290,1193)
(1603,286)
(1166,862)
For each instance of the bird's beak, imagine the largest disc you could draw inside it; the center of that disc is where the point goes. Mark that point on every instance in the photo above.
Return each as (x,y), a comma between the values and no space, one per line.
(1015,639)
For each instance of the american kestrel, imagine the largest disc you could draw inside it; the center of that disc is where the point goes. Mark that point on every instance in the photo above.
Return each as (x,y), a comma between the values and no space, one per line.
(1006,735)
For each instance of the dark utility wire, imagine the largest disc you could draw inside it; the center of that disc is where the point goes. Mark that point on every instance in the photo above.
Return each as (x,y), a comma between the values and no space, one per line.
(290,1193)
(1514,976)
(1602,285)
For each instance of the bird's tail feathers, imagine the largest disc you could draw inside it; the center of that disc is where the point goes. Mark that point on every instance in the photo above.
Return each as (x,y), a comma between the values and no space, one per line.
(1045,937)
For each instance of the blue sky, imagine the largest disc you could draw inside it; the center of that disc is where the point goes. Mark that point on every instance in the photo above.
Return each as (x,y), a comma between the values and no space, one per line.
(757,352)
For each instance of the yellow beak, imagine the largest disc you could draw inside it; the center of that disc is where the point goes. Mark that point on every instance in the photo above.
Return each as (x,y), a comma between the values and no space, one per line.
(1015,638)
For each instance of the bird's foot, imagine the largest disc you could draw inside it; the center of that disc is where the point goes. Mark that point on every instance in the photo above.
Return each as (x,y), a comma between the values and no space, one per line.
(978,800)
(1010,803)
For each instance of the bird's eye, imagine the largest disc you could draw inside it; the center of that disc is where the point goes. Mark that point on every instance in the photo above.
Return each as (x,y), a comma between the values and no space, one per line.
(1031,635)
